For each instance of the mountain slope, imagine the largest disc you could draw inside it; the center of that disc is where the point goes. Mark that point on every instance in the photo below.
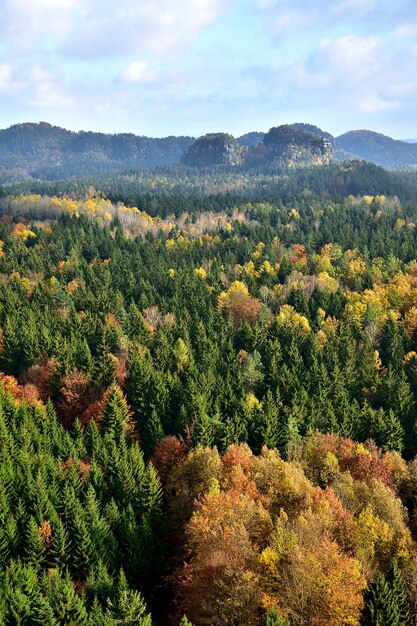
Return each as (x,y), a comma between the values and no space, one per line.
(45,151)
(378,148)
(41,151)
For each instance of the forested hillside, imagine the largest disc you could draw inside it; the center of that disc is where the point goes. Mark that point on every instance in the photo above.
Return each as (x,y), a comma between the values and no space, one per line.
(378,148)
(44,152)
(208,399)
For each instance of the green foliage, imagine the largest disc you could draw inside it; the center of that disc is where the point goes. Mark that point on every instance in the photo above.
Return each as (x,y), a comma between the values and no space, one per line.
(386,600)
(70,520)
(112,337)
(272,618)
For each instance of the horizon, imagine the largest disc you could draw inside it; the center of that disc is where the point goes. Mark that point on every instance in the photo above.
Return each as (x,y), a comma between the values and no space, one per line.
(237,136)
(148,69)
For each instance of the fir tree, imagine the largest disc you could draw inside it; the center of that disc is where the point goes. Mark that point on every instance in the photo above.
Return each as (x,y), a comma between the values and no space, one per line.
(128,606)
(115,414)
(385,601)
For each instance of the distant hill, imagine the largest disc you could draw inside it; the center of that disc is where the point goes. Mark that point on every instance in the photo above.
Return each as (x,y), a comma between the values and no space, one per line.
(41,151)
(281,145)
(298,143)
(50,152)
(378,148)
(214,149)
(311,128)
(250,139)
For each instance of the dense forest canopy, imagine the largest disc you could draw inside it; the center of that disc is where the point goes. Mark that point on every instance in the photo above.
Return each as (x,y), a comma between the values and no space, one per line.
(208,398)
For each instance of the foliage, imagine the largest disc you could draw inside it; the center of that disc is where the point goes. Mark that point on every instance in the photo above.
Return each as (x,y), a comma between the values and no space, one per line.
(208,403)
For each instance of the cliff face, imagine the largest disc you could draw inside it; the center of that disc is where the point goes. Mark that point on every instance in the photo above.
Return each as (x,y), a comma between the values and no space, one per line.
(214,149)
(297,145)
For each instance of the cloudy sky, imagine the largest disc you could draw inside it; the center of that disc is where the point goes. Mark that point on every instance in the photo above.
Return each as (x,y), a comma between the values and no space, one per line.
(160,67)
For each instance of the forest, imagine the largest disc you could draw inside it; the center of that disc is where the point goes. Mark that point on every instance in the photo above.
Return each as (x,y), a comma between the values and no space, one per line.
(208,393)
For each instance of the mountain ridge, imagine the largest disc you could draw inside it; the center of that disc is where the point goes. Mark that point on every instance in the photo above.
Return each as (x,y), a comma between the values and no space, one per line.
(40,150)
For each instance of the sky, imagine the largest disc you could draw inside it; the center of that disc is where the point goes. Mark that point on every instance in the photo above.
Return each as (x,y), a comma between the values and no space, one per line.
(187,67)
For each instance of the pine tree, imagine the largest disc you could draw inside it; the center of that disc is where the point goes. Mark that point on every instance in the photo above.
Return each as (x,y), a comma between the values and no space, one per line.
(396,581)
(387,431)
(272,618)
(146,395)
(115,414)
(268,426)
(150,432)
(34,548)
(59,554)
(92,438)
(42,612)
(100,583)
(4,548)
(10,355)
(392,344)
(181,355)
(82,553)
(385,601)
(68,607)
(128,606)
(105,364)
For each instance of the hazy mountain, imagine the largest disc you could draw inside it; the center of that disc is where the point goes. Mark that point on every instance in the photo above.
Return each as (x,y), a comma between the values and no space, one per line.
(250,139)
(45,151)
(298,142)
(378,148)
(311,128)
(282,143)
(214,149)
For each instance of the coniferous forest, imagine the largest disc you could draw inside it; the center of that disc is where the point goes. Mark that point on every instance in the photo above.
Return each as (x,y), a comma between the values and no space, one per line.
(208,398)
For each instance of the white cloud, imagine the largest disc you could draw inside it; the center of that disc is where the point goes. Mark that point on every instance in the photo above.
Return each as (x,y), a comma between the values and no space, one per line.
(138,72)
(34,84)
(25,22)
(362,15)
(356,57)
(406,31)
(96,28)
(288,19)
(354,5)
(154,26)
(372,103)
(5,76)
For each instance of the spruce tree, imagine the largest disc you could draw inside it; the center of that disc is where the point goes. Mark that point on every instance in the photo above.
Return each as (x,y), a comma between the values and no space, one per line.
(115,414)
(397,583)
(128,606)
(272,618)
(385,600)
(33,546)
(68,607)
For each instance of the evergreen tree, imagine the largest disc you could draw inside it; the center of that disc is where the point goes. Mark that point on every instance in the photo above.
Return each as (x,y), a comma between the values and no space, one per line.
(115,414)
(272,618)
(385,601)
(128,606)
(34,547)
(397,584)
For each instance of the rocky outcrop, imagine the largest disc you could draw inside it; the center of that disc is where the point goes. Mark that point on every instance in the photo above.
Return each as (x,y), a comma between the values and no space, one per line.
(214,149)
(292,144)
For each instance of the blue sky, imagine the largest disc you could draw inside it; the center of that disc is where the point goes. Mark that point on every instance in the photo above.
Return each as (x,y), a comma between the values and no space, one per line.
(160,67)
